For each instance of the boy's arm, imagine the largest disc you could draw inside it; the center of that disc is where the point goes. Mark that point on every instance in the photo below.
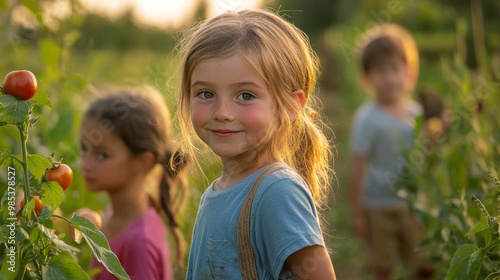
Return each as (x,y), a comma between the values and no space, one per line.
(312,262)
(358,222)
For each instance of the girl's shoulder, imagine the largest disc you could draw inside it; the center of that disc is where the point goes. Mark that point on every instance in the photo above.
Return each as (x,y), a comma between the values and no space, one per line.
(283,175)
(286,184)
(149,228)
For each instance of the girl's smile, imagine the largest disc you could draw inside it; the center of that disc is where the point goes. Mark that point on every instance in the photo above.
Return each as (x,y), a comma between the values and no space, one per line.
(224,133)
(232,109)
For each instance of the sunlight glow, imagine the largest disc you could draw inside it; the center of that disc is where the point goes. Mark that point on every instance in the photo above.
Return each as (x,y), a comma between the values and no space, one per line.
(218,7)
(163,14)
(160,14)
(112,9)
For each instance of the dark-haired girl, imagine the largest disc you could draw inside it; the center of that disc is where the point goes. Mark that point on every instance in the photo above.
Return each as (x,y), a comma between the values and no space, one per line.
(128,152)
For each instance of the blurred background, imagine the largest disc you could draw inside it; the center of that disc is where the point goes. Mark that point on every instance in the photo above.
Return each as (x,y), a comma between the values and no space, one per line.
(79,49)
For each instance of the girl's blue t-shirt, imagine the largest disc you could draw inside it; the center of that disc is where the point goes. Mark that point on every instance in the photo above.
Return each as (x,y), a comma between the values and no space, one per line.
(283,221)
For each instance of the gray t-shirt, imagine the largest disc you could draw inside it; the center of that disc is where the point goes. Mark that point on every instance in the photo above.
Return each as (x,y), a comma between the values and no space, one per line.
(382,139)
(283,221)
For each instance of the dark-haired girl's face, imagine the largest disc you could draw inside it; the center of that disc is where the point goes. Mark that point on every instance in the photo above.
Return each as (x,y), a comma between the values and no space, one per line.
(106,163)
(232,109)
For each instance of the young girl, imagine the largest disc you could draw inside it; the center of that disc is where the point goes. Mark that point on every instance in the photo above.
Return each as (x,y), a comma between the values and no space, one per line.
(246,88)
(125,139)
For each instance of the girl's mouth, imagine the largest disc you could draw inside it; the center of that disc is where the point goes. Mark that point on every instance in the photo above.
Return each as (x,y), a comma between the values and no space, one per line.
(224,133)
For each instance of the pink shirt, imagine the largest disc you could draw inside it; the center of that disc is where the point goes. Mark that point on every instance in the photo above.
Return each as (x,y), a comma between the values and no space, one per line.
(142,250)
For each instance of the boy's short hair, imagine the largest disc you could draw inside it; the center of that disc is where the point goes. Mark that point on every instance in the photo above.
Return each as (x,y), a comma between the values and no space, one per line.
(385,41)
(379,49)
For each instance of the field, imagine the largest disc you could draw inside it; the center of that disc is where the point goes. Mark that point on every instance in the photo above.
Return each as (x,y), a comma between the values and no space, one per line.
(442,179)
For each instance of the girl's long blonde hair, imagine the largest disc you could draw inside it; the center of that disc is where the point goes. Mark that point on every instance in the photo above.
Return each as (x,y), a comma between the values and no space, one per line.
(283,57)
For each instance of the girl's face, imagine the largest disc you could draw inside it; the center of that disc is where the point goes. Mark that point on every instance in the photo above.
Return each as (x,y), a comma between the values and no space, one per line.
(106,162)
(232,109)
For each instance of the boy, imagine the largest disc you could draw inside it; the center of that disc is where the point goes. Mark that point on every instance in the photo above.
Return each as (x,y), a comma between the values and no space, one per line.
(383,129)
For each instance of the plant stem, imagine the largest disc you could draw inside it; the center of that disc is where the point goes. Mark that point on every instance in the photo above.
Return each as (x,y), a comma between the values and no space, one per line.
(61,217)
(23,133)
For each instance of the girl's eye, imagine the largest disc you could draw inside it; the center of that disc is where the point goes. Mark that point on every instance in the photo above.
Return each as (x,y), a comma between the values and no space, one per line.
(83,151)
(206,94)
(246,96)
(101,156)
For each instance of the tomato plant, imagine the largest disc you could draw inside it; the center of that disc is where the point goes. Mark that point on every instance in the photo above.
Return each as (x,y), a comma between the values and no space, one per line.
(21,84)
(29,245)
(38,204)
(60,173)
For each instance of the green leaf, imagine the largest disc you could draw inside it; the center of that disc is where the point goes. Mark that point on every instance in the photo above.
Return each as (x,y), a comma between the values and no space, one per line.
(53,194)
(41,99)
(63,267)
(58,243)
(6,271)
(493,276)
(13,110)
(46,213)
(482,225)
(10,160)
(458,264)
(492,244)
(475,263)
(29,207)
(4,154)
(38,164)
(99,245)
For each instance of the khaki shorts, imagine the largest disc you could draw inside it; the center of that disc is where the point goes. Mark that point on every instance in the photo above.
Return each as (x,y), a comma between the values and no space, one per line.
(393,237)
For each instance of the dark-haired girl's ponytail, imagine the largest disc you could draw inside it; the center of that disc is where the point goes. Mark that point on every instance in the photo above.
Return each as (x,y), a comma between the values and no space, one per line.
(173,191)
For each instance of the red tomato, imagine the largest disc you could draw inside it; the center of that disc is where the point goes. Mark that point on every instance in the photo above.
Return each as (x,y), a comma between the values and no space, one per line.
(38,204)
(61,174)
(21,84)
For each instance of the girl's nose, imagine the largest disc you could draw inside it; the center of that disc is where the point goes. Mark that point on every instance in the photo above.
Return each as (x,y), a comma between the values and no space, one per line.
(223,111)
(84,164)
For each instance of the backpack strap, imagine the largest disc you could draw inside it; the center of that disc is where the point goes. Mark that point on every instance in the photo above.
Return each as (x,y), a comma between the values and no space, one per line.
(245,251)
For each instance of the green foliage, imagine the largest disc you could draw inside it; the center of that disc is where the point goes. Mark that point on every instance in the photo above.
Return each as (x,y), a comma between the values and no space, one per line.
(32,244)
(99,245)
(122,35)
(455,199)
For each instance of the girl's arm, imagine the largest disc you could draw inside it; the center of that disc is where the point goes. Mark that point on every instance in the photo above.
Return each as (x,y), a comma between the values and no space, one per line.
(312,262)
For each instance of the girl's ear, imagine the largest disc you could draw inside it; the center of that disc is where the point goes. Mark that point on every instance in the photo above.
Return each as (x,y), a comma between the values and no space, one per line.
(300,97)
(364,80)
(411,78)
(146,161)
